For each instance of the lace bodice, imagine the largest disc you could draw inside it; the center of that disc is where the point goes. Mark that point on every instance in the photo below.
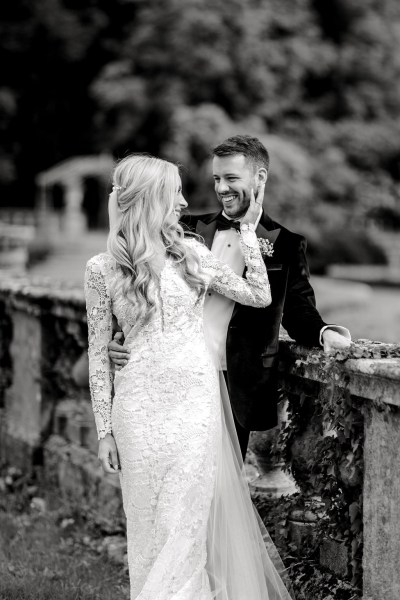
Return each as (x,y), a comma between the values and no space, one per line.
(178,315)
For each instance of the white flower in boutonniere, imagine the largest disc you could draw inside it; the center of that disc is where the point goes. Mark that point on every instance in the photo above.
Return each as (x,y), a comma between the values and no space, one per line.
(266,247)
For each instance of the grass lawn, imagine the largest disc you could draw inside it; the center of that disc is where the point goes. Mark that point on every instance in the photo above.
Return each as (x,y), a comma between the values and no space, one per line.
(46,554)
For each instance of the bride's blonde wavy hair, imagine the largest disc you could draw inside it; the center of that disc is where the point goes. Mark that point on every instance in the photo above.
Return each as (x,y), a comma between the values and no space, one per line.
(147,227)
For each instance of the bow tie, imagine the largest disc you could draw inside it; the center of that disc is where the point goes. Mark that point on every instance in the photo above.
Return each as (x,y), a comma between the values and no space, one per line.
(224,223)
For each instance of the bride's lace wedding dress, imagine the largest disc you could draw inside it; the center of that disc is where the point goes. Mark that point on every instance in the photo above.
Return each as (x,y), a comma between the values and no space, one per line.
(192,532)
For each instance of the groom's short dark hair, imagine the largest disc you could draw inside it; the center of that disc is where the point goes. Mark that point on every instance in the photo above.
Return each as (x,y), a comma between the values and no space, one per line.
(252,149)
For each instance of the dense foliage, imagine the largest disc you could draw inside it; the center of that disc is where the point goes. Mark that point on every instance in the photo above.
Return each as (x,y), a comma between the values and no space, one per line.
(318,81)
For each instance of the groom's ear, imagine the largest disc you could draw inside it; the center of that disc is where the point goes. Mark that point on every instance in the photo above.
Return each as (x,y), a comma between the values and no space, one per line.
(262,175)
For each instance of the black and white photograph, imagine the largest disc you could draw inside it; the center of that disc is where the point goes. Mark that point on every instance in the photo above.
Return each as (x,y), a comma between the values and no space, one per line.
(200,300)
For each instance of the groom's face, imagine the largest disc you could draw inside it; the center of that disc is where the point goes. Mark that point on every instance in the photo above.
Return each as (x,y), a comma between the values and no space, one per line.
(233,180)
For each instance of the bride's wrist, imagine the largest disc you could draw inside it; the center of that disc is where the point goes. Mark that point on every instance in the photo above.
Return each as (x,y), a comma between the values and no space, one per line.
(247,226)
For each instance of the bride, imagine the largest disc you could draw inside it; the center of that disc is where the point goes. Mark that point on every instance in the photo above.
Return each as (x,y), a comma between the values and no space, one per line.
(192,531)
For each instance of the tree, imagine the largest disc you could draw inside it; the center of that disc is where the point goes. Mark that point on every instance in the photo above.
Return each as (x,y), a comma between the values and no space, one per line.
(321,79)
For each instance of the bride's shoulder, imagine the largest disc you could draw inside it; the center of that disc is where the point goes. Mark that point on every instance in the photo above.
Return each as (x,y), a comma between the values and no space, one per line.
(102,262)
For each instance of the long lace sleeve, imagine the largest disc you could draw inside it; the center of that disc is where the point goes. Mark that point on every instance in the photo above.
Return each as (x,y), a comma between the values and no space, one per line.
(252,291)
(99,318)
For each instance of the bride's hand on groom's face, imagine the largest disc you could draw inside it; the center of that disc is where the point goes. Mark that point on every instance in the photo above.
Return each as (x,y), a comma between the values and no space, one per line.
(256,202)
(119,355)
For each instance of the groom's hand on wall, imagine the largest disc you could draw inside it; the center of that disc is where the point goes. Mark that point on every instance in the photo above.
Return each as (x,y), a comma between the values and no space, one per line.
(332,340)
(119,355)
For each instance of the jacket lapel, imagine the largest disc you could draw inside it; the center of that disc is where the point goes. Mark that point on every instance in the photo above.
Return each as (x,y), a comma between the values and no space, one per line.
(207,231)
(270,235)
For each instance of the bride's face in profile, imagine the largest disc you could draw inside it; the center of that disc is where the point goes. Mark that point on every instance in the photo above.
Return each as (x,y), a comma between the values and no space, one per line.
(180,202)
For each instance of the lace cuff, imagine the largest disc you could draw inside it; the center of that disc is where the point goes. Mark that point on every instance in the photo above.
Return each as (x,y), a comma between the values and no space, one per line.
(254,290)
(99,318)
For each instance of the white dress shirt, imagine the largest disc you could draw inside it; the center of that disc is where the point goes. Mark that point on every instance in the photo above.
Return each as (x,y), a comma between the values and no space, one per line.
(217,308)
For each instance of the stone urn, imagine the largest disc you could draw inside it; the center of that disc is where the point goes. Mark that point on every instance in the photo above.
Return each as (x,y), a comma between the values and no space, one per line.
(272,481)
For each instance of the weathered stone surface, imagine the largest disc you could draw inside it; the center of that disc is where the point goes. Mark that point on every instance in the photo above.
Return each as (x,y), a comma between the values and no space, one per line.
(74,421)
(302,532)
(48,331)
(79,476)
(373,379)
(23,398)
(334,556)
(17,452)
(381,559)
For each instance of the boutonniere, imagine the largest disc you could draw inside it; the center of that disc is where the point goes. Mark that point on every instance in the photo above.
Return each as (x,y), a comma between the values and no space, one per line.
(266,247)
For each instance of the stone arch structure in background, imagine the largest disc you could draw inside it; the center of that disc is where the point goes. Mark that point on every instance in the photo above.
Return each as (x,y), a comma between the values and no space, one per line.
(72,196)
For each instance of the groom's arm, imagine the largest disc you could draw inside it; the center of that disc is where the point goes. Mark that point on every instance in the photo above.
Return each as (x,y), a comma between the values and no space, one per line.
(117,353)
(301,318)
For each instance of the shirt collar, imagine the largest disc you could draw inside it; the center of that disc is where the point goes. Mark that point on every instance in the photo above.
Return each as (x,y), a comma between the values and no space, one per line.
(255,224)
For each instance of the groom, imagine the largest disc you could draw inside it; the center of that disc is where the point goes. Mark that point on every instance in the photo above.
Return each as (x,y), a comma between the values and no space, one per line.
(245,338)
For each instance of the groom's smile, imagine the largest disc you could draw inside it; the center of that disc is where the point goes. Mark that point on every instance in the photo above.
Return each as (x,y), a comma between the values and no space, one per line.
(233,180)
(228,200)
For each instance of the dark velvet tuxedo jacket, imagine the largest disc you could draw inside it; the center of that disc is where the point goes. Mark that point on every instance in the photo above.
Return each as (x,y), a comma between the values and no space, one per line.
(253,333)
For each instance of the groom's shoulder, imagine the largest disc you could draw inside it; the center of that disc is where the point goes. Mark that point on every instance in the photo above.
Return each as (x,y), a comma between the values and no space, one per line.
(190,221)
(291,238)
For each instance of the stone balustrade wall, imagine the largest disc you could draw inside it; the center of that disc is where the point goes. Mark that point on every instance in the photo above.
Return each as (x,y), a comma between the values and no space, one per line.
(360,394)
(46,419)
(19,216)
